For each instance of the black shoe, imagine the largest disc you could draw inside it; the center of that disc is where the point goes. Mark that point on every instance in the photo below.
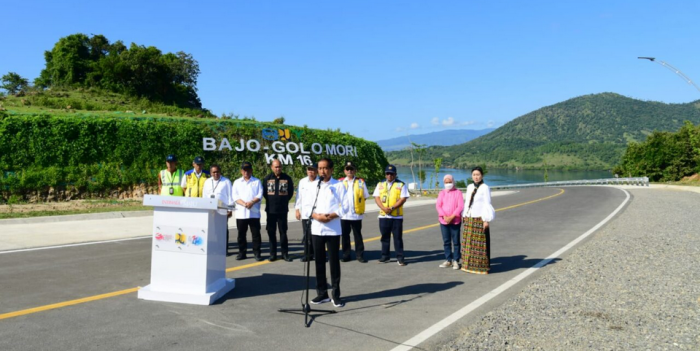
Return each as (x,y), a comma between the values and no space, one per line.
(240,257)
(384,259)
(272,258)
(361,259)
(401,262)
(320,299)
(345,259)
(287,258)
(338,302)
(258,258)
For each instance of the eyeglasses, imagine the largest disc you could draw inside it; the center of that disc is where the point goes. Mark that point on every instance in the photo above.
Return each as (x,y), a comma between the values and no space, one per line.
(350,169)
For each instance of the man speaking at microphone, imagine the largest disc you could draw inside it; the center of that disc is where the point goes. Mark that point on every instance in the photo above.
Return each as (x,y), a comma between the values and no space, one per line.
(326,232)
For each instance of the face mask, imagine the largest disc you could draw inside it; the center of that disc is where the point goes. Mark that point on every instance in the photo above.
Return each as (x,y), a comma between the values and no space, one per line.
(449,186)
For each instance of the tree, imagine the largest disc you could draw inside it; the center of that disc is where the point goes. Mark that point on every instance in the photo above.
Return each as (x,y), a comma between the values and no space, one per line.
(420,150)
(14,83)
(81,61)
(279,120)
(410,148)
(437,162)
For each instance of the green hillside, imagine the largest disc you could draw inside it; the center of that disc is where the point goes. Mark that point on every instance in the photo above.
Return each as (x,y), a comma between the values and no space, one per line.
(587,132)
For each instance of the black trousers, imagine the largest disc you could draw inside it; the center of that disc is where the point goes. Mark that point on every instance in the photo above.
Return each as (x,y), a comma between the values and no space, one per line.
(274,221)
(306,229)
(387,226)
(356,227)
(332,243)
(243,225)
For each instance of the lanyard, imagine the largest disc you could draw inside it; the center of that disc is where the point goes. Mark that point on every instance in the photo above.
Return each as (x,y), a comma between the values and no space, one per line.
(169,176)
(388,192)
(217,184)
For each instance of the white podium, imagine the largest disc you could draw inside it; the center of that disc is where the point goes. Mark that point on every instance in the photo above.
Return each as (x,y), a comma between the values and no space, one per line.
(188,263)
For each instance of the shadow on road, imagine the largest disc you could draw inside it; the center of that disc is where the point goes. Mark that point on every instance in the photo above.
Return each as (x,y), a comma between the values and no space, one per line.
(509,263)
(268,284)
(416,289)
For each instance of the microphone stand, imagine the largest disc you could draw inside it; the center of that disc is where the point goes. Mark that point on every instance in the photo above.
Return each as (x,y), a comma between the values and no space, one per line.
(305,307)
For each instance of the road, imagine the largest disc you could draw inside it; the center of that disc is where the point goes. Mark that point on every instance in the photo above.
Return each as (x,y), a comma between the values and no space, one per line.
(55,299)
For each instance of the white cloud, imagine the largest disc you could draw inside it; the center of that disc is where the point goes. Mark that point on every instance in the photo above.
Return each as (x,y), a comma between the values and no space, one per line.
(435,121)
(490,124)
(400,129)
(448,122)
(414,125)
(467,123)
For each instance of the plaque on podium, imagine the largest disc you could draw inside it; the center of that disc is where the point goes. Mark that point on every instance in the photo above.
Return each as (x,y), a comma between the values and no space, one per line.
(188,263)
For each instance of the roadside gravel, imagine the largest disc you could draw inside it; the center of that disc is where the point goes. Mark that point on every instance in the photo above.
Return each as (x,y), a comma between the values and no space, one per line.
(635,285)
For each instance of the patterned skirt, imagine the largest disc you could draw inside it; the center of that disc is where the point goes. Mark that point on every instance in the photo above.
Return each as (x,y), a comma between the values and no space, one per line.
(476,250)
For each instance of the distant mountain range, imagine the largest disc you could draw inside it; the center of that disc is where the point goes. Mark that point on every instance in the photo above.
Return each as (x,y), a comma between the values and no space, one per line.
(443,138)
(587,132)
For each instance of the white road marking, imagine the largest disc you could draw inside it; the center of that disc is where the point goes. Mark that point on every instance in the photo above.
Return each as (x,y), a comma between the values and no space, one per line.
(71,245)
(439,326)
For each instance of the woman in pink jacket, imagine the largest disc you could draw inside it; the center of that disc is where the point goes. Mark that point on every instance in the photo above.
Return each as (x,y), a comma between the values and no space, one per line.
(450,204)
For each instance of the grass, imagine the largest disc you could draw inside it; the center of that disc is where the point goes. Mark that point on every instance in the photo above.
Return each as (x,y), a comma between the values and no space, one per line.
(26,210)
(693,180)
(71,212)
(93,101)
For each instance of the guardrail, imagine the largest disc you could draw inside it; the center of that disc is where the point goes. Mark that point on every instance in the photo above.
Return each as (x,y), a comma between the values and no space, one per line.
(639,181)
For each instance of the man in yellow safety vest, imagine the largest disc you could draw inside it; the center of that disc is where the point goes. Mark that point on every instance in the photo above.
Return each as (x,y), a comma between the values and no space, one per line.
(194,179)
(390,197)
(355,197)
(170,179)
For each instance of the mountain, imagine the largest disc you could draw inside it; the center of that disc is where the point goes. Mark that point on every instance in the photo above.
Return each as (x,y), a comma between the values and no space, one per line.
(445,138)
(586,132)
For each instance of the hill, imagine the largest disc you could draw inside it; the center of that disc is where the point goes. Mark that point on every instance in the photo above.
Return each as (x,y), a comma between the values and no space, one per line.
(444,138)
(587,132)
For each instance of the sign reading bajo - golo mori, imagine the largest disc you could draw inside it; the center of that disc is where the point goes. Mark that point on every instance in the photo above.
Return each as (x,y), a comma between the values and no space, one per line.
(278,149)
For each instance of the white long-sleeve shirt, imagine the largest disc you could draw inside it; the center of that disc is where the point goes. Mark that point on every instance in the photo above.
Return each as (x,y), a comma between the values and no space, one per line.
(351,215)
(221,190)
(247,191)
(330,200)
(305,196)
(482,203)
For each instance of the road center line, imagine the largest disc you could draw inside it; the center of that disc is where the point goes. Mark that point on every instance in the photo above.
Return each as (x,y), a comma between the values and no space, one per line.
(231,269)
(439,326)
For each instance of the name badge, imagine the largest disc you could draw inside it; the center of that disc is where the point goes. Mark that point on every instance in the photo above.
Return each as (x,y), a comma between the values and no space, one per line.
(172,191)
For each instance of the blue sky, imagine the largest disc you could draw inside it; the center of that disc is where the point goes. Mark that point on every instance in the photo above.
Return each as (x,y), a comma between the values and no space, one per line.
(382,69)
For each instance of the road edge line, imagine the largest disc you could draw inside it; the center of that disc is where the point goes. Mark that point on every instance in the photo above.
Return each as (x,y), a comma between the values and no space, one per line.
(464,311)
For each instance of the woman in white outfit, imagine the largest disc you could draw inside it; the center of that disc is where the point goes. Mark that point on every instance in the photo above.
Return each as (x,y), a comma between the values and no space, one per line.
(477,216)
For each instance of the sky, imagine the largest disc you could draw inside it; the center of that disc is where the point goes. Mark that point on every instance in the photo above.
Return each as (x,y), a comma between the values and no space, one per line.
(383,69)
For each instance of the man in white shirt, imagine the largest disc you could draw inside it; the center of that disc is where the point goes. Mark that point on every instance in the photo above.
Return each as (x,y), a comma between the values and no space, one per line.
(325,230)
(305,197)
(356,195)
(247,194)
(390,197)
(218,187)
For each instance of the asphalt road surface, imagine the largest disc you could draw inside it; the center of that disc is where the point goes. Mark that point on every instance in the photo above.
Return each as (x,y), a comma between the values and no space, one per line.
(83,298)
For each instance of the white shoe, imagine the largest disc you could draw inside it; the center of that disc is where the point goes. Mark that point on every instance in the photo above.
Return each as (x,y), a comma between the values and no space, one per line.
(456,266)
(446,264)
